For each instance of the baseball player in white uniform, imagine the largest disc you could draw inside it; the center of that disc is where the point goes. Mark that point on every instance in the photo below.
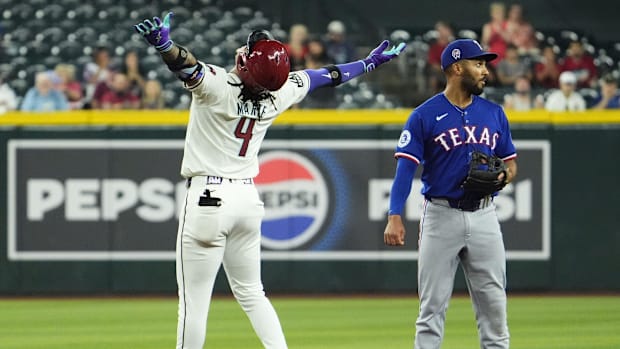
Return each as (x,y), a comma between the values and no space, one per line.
(221,218)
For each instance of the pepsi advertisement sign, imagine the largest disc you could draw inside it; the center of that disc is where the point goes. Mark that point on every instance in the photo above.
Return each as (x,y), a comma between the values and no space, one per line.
(296,199)
(324,200)
(328,200)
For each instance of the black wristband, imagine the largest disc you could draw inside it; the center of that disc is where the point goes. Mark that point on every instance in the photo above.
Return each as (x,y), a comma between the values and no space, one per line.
(334,74)
(180,61)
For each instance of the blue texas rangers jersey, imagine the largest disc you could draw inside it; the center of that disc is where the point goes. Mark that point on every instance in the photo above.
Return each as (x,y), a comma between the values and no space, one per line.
(441,137)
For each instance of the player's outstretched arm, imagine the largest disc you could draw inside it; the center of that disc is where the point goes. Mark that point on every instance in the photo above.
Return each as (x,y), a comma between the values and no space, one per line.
(178,59)
(334,75)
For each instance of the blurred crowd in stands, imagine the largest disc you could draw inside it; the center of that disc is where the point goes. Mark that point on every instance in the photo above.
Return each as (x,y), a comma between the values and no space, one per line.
(534,71)
(63,66)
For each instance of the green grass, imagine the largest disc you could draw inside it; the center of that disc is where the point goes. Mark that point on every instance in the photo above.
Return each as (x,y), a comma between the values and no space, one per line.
(591,322)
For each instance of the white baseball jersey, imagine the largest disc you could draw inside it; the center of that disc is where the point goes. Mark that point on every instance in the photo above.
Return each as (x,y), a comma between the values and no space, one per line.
(224,134)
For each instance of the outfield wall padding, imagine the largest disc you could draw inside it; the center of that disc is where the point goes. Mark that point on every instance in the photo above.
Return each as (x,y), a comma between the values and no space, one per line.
(54,241)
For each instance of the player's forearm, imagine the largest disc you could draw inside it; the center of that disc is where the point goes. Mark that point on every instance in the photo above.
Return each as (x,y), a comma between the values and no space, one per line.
(401,187)
(178,56)
(183,64)
(334,75)
(512,170)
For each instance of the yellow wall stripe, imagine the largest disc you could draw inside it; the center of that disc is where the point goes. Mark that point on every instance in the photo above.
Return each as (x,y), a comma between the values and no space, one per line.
(290,117)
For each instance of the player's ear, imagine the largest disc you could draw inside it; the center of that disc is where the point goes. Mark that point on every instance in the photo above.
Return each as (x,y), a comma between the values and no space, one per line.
(457,68)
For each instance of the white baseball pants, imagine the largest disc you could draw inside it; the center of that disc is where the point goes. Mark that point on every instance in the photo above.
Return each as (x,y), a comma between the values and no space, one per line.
(229,234)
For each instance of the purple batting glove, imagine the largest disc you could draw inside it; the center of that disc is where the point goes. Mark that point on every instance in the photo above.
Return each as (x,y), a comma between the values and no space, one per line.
(157,33)
(379,55)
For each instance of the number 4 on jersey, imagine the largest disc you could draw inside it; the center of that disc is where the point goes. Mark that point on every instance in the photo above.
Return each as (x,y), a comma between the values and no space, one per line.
(245,133)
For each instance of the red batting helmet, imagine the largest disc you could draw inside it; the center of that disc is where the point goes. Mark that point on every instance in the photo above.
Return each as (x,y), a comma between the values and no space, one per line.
(266,65)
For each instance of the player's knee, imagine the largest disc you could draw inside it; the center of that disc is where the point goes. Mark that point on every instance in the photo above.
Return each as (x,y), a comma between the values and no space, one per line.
(248,296)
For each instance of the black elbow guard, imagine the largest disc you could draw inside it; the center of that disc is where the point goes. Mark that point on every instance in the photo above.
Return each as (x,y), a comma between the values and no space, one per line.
(334,74)
(180,61)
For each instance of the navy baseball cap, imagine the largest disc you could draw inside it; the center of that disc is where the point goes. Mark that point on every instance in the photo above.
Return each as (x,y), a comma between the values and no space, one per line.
(464,49)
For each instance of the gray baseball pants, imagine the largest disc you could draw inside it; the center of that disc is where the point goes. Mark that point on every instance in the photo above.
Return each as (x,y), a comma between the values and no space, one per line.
(449,236)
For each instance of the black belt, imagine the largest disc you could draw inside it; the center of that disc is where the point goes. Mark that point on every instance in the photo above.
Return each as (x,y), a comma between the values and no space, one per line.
(464,204)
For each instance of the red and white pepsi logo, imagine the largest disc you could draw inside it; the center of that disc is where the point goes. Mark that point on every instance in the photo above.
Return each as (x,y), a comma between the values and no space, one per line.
(295,197)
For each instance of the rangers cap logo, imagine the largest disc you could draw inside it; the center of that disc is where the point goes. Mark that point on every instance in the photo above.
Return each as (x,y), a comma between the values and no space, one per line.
(456,54)
(464,49)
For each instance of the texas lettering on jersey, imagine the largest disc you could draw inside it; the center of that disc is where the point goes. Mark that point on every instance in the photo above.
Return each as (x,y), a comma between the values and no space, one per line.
(474,135)
(438,132)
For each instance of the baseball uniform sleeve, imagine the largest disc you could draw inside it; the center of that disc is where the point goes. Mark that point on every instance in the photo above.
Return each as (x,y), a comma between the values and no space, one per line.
(411,141)
(293,91)
(213,85)
(505,148)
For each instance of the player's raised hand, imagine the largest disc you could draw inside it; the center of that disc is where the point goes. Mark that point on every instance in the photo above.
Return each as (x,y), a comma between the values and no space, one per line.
(380,55)
(156,32)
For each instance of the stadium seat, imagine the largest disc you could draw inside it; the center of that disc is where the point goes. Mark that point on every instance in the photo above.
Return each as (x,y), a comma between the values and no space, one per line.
(183,35)
(243,13)
(117,12)
(54,12)
(468,34)
(83,12)
(104,4)
(213,36)
(589,95)
(211,13)
(229,46)
(348,103)
(21,35)
(603,62)
(277,32)
(86,35)
(142,13)
(68,50)
(70,4)
(430,35)
(23,11)
(31,70)
(258,21)
(52,61)
(197,24)
(399,35)
(381,102)
(20,86)
(181,14)
(227,22)
(151,62)
(19,63)
(53,34)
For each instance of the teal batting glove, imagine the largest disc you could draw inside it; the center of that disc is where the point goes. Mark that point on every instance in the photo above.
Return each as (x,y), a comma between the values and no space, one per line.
(156,32)
(380,55)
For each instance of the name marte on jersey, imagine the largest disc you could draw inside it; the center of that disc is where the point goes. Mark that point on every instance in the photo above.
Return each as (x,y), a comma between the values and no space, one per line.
(473,135)
(250,109)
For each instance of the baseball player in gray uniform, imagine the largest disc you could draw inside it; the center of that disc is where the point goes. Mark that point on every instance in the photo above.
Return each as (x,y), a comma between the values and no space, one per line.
(464,144)
(221,218)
